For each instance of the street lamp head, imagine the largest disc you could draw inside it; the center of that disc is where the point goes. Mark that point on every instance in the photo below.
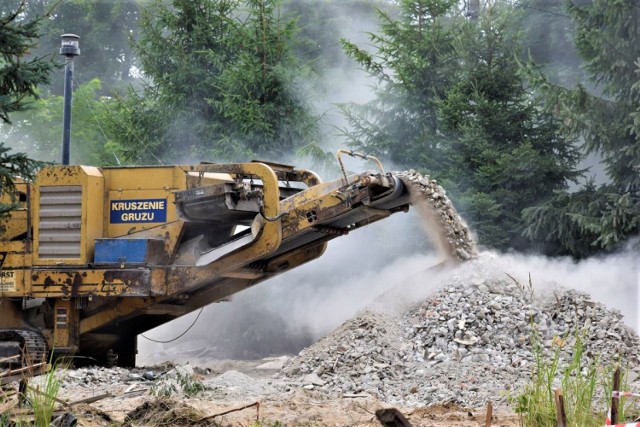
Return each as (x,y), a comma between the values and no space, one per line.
(70,46)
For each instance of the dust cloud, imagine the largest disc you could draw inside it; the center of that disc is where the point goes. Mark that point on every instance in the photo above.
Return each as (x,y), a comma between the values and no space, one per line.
(289,312)
(613,280)
(386,266)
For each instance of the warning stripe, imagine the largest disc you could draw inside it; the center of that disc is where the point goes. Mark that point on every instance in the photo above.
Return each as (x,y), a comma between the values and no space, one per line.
(618,394)
(624,394)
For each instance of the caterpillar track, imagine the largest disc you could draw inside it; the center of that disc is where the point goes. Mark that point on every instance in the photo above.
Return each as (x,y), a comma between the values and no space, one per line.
(22,353)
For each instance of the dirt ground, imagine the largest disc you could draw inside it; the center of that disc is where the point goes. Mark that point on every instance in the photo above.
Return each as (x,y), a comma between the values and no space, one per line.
(132,404)
(298,410)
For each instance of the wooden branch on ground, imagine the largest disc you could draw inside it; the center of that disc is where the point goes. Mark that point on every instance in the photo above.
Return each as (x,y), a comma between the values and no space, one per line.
(256,404)
(21,370)
(7,406)
(91,399)
(489,417)
(6,359)
(23,373)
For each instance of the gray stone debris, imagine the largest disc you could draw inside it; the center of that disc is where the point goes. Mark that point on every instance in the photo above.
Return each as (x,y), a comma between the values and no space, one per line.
(92,376)
(468,343)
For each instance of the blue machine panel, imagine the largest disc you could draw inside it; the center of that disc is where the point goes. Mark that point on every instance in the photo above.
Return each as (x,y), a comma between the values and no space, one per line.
(128,251)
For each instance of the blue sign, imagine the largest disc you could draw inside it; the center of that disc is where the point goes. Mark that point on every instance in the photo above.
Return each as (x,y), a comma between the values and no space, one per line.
(136,211)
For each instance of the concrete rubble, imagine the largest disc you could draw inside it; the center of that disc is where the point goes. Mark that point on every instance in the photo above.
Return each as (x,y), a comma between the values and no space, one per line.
(469,343)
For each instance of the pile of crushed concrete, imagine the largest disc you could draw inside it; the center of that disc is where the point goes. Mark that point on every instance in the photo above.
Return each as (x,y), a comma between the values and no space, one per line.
(474,341)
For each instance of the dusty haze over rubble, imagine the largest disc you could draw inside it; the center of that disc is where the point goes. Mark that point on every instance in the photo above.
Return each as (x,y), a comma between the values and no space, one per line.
(391,257)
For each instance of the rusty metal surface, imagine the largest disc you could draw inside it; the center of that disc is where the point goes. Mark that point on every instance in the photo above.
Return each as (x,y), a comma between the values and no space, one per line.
(181,278)
(319,204)
(52,183)
(88,282)
(119,309)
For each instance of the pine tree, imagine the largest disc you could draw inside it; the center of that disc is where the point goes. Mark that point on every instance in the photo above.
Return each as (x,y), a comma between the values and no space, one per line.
(452,103)
(507,154)
(261,90)
(222,84)
(547,35)
(607,118)
(19,77)
(413,64)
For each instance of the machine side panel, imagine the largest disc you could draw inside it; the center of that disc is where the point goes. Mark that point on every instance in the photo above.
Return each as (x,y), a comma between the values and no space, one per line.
(89,283)
(132,211)
(68,215)
(139,203)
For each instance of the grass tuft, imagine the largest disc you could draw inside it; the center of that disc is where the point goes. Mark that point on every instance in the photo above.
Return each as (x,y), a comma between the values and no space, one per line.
(586,385)
(43,397)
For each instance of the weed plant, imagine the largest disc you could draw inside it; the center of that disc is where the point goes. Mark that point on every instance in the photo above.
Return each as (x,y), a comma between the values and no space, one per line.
(579,379)
(184,382)
(585,384)
(43,397)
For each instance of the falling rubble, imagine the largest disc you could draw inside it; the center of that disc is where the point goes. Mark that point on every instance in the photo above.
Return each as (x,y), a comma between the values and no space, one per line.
(446,229)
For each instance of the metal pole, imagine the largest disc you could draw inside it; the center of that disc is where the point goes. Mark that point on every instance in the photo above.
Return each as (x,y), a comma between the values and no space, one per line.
(69,48)
(66,117)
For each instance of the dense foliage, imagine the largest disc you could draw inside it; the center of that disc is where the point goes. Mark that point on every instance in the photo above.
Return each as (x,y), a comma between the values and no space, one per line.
(413,64)
(223,84)
(105,29)
(451,101)
(606,115)
(38,130)
(547,35)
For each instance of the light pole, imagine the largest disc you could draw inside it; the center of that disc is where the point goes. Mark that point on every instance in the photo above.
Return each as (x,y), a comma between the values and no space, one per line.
(70,48)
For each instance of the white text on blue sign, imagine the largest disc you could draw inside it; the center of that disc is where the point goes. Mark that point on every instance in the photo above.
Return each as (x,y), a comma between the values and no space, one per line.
(137,211)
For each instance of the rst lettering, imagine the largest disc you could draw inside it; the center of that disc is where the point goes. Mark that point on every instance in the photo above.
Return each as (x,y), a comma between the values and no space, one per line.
(7,281)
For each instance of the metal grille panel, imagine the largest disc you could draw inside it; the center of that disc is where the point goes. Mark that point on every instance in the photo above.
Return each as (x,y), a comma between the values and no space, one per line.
(60,221)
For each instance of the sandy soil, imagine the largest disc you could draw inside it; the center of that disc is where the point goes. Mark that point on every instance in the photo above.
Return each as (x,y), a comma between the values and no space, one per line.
(296,407)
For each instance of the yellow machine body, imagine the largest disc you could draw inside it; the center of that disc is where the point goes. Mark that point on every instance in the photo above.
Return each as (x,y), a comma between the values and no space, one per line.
(92,257)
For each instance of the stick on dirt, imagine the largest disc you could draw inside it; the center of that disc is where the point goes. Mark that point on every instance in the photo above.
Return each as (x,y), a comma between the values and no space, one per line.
(219,414)
(487,421)
(615,400)
(6,359)
(7,406)
(561,416)
(91,399)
